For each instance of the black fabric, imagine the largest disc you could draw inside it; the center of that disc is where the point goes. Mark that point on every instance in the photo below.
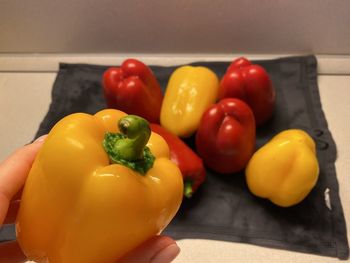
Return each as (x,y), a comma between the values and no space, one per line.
(223,208)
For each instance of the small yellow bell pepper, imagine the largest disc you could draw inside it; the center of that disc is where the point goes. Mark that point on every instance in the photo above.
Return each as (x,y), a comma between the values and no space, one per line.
(190,91)
(285,169)
(95,191)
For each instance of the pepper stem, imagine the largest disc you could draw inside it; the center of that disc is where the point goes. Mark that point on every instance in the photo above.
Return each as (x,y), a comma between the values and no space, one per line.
(129,147)
(138,132)
(188,190)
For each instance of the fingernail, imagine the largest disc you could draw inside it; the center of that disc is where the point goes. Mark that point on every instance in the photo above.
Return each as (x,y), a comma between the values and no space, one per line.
(166,255)
(41,138)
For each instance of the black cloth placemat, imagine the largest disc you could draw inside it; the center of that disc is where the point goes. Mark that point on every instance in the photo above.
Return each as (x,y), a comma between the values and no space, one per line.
(223,208)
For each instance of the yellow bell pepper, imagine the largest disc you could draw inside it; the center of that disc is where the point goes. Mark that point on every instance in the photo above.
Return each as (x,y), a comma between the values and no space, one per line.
(285,169)
(81,204)
(190,91)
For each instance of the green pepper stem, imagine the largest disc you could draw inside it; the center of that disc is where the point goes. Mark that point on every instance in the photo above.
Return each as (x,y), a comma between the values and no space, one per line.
(129,147)
(188,190)
(137,131)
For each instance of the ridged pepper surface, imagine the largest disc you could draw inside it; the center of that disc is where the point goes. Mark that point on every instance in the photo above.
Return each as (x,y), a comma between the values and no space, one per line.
(97,190)
(285,169)
(134,89)
(252,84)
(226,136)
(190,91)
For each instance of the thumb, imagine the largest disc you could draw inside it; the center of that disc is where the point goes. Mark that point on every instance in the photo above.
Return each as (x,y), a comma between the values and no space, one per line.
(13,173)
(159,249)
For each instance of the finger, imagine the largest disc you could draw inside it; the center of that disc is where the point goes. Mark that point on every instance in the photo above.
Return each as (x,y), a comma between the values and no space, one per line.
(10,252)
(13,173)
(159,249)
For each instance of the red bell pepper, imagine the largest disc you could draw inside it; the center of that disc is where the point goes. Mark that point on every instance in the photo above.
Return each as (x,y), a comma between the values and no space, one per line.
(134,89)
(190,165)
(252,84)
(225,138)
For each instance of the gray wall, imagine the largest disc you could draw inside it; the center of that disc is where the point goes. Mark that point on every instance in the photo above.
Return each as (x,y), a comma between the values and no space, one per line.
(184,26)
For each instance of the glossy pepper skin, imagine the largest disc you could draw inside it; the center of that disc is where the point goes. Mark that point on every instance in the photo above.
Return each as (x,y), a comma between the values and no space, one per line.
(191,166)
(285,169)
(134,89)
(79,206)
(252,84)
(226,136)
(190,91)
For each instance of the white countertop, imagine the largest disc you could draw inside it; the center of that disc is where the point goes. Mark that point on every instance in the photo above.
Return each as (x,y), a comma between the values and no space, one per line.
(25,95)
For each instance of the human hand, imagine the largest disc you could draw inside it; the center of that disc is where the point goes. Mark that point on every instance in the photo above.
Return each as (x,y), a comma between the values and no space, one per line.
(13,174)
